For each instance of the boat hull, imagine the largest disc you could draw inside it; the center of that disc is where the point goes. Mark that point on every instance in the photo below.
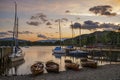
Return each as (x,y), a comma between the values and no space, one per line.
(52,67)
(78,53)
(90,64)
(14,59)
(70,65)
(58,51)
(37,68)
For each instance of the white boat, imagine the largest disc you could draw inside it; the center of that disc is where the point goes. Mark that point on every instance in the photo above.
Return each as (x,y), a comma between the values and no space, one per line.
(17,51)
(77,52)
(16,56)
(59,50)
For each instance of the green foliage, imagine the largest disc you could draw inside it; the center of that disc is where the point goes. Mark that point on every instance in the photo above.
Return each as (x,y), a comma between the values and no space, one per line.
(105,38)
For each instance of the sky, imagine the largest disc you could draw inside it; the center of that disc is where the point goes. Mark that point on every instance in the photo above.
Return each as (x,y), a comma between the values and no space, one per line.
(38,19)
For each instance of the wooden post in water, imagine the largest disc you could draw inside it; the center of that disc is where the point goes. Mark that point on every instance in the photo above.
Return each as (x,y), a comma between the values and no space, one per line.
(101,54)
(0,60)
(80,37)
(110,55)
(4,59)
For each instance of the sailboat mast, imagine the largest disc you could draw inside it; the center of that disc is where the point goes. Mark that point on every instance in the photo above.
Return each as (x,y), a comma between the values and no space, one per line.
(60,32)
(15,25)
(80,36)
(72,32)
(17,33)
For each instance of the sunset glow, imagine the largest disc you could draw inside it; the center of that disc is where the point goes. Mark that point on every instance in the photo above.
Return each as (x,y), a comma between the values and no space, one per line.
(38,17)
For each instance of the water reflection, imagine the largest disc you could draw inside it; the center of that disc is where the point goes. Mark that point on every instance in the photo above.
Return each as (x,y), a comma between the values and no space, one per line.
(14,66)
(40,53)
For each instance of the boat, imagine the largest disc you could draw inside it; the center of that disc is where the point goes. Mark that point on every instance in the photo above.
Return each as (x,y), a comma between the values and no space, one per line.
(83,59)
(59,49)
(91,64)
(17,53)
(70,65)
(52,67)
(78,53)
(37,68)
(68,61)
(69,48)
(14,64)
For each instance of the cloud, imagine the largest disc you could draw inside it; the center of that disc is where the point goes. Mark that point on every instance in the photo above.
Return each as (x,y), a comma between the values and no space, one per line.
(42,36)
(109,26)
(48,23)
(39,16)
(76,25)
(10,31)
(67,11)
(26,32)
(34,23)
(50,27)
(38,19)
(103,10)
(3,34)
(23,32)
(57,20)
(62,20)
(90,25)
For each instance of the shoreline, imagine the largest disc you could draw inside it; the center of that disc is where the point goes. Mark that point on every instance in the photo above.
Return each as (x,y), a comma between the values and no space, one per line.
(104,72)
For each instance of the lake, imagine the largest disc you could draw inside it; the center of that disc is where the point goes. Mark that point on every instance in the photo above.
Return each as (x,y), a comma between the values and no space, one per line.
(40,53)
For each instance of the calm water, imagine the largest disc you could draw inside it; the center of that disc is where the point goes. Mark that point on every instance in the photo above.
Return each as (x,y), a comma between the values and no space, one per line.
(39,53)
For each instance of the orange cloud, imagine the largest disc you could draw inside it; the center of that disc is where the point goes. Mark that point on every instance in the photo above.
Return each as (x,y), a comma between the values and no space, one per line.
(116,3)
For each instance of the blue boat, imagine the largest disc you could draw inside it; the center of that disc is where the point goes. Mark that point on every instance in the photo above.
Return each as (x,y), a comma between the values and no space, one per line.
(78,53)
(59,50)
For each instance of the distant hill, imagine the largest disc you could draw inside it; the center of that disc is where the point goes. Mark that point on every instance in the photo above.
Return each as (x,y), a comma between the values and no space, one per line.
(53,41)
(50,40)
(95,38)
(11,39)
(97,33)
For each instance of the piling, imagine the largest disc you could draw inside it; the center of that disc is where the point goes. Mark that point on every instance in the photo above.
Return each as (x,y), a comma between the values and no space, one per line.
(4,59)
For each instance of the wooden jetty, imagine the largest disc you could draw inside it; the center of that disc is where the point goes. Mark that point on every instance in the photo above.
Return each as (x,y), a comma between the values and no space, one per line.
(4,58)
(110,54)
(99,49)
(5,51)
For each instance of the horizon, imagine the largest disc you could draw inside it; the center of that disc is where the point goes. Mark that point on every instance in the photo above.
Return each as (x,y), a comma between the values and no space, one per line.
(56,38)
(38,18)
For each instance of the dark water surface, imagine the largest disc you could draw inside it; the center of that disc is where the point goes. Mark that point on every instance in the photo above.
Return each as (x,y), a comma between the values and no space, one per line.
(40,53)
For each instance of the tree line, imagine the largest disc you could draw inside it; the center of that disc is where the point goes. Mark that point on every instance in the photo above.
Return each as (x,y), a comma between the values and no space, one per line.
(110,38)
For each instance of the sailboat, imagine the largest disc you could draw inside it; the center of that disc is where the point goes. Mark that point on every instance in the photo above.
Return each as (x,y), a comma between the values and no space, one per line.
(17,51)
(70,47)
(78,52)
(59,49)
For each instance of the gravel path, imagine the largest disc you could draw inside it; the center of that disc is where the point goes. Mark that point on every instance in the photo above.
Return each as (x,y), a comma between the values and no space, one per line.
(106,72)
